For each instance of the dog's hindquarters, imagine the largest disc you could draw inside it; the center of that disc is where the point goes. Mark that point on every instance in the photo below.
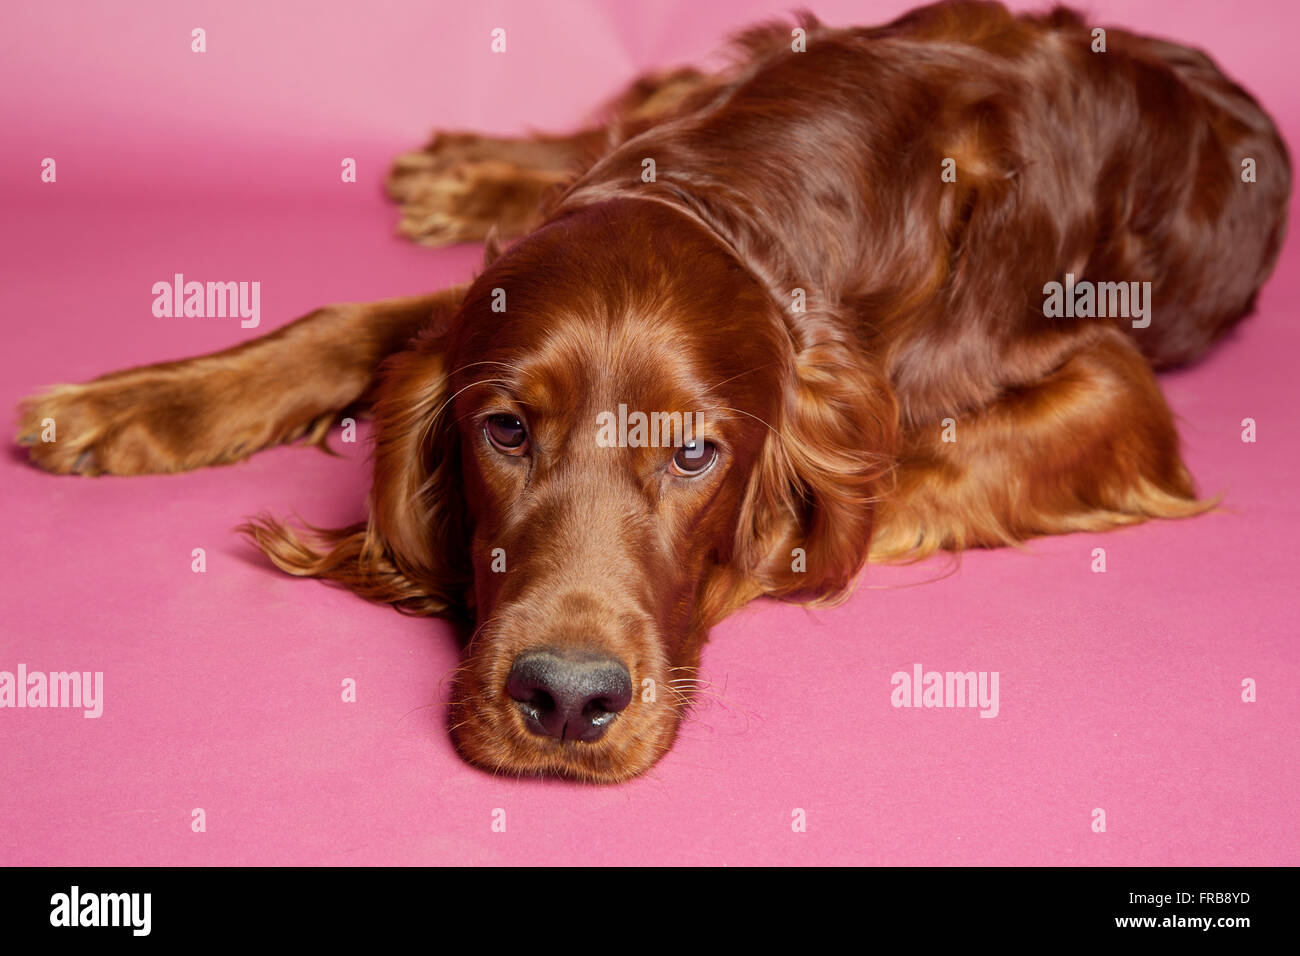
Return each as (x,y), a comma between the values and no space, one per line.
(462,186)
(1193,197)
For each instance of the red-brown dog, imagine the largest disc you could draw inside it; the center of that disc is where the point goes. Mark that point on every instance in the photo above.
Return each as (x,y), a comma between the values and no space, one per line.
(869,292)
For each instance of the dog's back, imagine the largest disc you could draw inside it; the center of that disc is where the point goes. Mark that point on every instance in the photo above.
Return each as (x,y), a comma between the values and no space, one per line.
(955,161)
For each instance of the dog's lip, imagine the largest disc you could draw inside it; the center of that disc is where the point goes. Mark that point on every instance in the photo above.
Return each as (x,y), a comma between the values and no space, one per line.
(525,754)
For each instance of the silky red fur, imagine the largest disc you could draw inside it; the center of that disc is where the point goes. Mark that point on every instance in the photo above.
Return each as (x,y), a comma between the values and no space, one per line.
(817,171)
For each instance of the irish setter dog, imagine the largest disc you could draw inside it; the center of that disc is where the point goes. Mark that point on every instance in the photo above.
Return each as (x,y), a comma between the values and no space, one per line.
(906,285)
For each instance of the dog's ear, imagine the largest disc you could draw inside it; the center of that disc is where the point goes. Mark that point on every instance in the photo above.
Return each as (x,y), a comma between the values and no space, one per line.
(806,522)
(417,502)
(413,551)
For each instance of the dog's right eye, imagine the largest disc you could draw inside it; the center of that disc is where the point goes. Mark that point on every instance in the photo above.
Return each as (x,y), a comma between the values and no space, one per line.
(506,434)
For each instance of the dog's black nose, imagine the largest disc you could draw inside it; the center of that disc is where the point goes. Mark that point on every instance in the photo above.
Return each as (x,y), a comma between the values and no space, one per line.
(567,695)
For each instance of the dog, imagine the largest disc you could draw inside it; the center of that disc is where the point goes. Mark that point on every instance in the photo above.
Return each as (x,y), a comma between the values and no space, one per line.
(904,286)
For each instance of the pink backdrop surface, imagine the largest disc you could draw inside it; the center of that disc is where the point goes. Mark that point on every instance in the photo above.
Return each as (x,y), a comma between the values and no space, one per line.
(1119,691)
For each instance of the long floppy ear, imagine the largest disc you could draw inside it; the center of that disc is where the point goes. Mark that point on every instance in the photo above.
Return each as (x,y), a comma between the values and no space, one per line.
(806,523)
(413,551)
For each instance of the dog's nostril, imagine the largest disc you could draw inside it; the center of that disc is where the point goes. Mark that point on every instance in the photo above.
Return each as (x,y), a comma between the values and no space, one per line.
(571,696)
(537,701)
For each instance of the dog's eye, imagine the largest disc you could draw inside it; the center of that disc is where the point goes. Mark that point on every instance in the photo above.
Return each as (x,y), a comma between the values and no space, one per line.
(694,458)
(506,433)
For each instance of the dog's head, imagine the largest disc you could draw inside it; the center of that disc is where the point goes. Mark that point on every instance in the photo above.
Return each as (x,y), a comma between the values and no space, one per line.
(618,439)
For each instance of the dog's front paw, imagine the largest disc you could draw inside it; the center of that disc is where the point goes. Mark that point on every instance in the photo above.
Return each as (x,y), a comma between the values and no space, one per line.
(92,429)
(133,423)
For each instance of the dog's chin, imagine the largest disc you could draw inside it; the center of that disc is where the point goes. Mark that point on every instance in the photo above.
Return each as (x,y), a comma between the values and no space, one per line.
(495,738)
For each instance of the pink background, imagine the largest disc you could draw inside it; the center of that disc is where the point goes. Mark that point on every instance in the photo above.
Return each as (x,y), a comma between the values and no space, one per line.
(1118,690)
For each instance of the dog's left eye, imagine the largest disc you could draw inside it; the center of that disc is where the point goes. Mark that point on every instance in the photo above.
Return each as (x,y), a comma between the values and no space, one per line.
(506,434)
(694,458)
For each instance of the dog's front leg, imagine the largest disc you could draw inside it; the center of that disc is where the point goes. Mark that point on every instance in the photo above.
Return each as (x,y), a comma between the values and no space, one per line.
(218,408)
